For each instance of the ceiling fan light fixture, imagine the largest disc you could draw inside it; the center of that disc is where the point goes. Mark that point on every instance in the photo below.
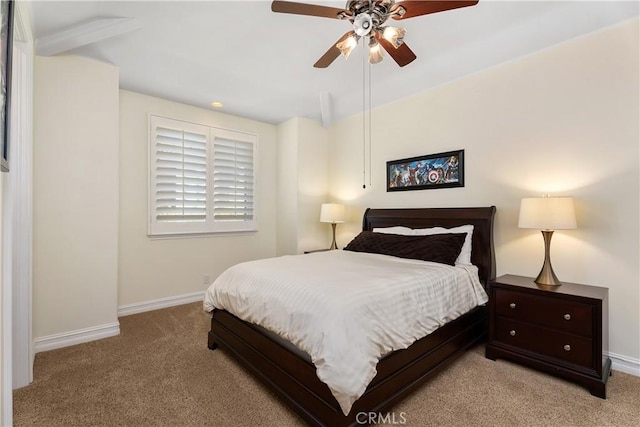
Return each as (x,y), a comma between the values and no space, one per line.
(394,35)
(375,53)
(368,18)
(347,45)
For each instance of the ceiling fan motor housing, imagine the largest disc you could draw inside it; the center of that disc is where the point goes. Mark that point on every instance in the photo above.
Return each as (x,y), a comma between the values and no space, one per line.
(368,15)
(362,24)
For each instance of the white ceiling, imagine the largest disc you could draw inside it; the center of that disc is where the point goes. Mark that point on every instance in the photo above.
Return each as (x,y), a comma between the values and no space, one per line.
(260,64)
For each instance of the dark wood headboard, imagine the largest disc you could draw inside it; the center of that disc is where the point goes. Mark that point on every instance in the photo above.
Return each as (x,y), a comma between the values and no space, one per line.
(482,250)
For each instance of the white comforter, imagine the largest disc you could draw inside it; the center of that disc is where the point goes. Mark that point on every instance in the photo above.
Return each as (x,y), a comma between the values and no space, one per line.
(346,309)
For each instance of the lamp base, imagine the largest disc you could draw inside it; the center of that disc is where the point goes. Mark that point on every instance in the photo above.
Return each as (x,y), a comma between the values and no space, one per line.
(333,243)
(547,276)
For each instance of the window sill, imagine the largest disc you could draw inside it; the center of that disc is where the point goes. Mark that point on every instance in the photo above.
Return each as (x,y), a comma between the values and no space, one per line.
(200,235)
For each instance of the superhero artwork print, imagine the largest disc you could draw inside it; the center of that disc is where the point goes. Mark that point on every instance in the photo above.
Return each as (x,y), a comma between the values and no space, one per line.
(441,170)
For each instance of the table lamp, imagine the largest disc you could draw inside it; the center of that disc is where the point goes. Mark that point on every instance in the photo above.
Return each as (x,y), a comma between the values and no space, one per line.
(547,214)
(333,213)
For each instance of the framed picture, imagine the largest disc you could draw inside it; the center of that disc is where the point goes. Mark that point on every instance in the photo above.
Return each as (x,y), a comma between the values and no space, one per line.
(6,48)
(441,170)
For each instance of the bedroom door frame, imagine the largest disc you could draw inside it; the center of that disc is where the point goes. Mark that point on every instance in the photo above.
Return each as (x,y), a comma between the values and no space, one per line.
(17,222)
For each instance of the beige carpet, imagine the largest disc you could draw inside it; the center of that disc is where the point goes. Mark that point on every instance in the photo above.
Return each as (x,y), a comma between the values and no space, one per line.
(159,372)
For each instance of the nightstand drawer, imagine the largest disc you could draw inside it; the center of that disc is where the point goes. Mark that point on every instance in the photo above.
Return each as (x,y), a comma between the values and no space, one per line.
(559,345)
(547,311)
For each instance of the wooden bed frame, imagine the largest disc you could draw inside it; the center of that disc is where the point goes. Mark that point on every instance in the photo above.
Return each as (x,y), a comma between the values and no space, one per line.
(294,379)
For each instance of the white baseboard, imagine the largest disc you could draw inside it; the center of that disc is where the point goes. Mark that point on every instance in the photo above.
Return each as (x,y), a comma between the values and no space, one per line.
(141,307)
(79,336)
(625,364)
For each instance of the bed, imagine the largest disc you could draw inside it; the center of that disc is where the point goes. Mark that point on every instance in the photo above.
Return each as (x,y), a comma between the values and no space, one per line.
(293,377)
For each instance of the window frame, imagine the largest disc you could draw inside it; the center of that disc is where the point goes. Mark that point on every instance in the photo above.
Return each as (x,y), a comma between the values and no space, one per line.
(210,226)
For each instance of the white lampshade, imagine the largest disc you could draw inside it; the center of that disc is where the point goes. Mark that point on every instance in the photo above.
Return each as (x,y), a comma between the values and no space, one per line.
(547,213)
(332,212)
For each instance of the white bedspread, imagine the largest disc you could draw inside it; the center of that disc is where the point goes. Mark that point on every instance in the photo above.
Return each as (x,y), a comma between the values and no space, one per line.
(347,309)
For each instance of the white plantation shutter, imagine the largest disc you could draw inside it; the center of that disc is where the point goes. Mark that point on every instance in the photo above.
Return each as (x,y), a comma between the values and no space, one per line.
(232,180)
(202,179)
(181,175)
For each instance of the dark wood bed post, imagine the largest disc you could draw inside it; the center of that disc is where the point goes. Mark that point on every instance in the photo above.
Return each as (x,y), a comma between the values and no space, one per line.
(294,379)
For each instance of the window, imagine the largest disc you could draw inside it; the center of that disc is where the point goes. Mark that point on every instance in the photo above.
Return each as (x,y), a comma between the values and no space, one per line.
(202,179)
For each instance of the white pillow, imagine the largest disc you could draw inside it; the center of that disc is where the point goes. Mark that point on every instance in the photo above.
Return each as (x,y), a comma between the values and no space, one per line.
(404,231)
(465,252)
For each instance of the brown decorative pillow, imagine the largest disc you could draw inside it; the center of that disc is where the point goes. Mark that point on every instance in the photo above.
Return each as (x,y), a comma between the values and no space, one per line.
(442,248)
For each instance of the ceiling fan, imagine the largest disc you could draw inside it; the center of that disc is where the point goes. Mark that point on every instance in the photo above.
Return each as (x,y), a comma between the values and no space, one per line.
(368,18)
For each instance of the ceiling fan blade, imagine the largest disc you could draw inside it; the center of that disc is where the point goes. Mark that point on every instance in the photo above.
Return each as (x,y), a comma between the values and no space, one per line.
(332,53)
(307,9)
(425,7)
(402,55)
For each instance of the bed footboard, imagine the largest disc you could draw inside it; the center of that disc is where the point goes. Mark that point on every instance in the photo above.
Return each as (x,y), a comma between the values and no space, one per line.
(294,380)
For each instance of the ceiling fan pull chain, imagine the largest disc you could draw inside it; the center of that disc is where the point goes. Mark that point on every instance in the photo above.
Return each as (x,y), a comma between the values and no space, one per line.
(364,133)
(370,170)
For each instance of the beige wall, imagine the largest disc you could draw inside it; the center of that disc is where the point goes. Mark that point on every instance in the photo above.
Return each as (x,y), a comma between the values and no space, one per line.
(287,188)
(562,121)
(302,186)
(75,185)
(313,183)
(150,269)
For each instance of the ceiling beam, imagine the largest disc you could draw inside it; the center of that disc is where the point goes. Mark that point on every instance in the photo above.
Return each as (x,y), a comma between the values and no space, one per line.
(84,34)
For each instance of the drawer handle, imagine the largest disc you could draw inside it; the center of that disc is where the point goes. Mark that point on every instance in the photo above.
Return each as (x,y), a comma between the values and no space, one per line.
(513,333)
(567,347)
(567,316)
(512,305)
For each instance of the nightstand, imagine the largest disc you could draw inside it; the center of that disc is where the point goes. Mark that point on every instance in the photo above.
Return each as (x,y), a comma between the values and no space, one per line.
(561,330)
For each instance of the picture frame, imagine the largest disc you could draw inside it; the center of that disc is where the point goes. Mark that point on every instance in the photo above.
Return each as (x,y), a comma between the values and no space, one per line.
(6,53)
(440,170)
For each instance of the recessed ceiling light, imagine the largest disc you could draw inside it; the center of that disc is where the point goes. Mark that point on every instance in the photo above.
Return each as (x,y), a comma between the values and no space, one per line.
(217,104)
